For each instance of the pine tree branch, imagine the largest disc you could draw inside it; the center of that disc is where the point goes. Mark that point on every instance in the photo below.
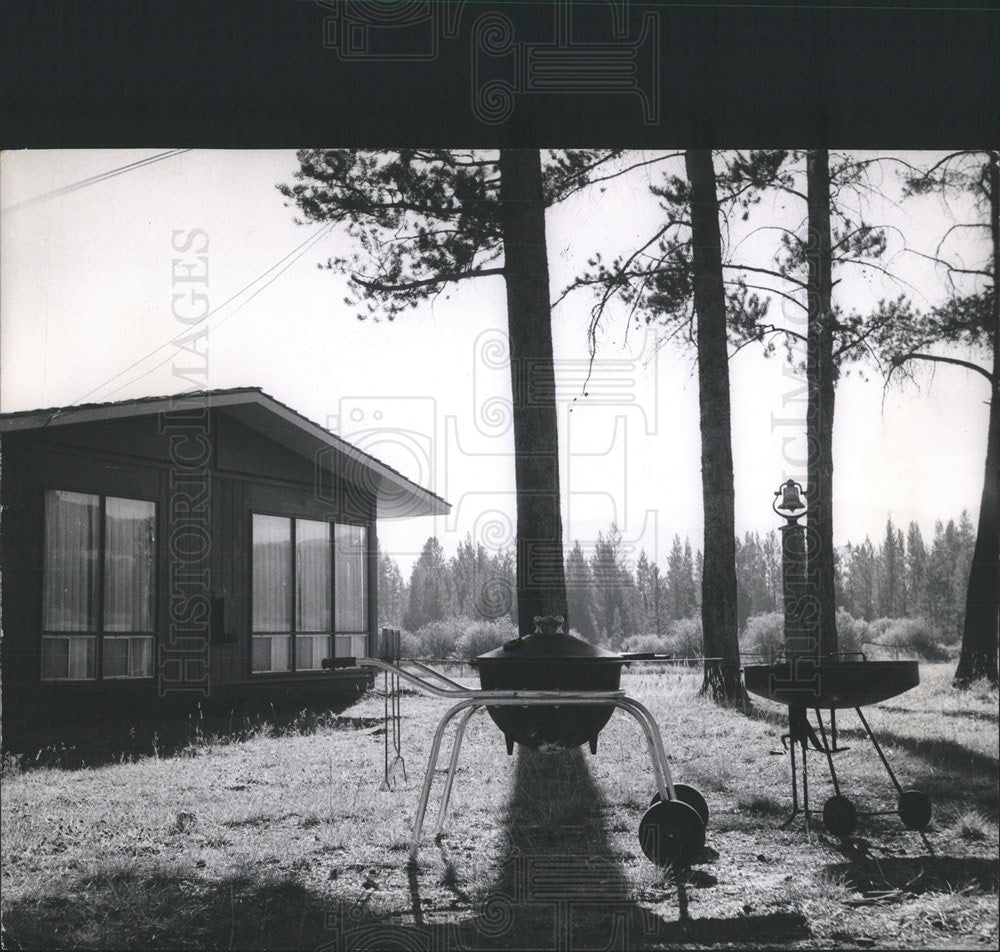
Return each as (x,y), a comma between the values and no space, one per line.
(862,263)
(956,361)
(981,272)
(767,290)
(614,279)
(373,284)
(618,174)
(767,271)
(774,329)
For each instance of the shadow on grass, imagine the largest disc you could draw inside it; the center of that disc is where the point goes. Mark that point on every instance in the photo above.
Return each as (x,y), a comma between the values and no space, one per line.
(914,875)
(164,911)
(991,716)
(943,753)
(954,775)
(98,742)
(558,884)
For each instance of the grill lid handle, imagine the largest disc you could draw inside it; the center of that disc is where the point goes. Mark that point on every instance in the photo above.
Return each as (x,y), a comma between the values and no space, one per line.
(548,624)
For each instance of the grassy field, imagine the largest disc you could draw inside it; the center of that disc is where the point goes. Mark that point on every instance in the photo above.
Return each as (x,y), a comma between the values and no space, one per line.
(289,841)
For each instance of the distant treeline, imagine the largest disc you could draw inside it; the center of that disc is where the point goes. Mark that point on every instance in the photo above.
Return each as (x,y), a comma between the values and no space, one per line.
(615,596)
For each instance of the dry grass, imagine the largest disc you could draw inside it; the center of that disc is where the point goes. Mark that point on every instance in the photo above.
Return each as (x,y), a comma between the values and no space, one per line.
(289,842)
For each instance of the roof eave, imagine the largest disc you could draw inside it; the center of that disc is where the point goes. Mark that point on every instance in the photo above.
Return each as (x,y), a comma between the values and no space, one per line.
(396,496)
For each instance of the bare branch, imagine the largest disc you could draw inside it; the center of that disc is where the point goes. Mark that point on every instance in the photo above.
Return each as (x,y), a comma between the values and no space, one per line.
(956,361)
(625,171)
(774,329)
(876,267)
(768,271)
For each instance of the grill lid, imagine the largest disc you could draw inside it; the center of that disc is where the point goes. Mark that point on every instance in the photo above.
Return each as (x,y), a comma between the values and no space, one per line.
(549,643)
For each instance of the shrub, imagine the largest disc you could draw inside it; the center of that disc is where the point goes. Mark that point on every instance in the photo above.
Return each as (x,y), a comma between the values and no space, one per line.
(879,626)
(457,637)
(439,640)
(764,635)
(917,636)
(409,644)
(852,633)
(480,636)
(686,639)
(10,764)
(657,644)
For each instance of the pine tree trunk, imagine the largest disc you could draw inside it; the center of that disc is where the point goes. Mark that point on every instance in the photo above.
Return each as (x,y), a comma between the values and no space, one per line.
(982,604)
(821,376)
(718,583)
(541,584)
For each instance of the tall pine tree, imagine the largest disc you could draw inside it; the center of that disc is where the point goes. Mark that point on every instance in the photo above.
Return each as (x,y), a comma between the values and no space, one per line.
(424,219)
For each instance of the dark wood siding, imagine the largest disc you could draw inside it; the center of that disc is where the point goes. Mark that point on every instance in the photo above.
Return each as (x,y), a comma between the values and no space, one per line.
(21,561)
(202,637)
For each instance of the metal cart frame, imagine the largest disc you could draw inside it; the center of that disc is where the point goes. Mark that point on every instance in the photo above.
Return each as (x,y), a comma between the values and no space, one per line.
(470,700)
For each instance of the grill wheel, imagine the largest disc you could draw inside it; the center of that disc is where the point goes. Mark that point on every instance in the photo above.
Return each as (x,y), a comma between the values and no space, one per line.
(671,834)
(914,809)
(691,797)
(839,816)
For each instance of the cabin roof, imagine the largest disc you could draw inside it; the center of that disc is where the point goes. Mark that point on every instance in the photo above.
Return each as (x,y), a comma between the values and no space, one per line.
(397,496)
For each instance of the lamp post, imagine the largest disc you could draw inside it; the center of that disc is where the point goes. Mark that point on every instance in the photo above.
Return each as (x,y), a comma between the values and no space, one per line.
(801,604)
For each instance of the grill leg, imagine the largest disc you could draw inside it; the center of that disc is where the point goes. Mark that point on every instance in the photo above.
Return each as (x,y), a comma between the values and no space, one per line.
(664,784)
(456,746)
(795,787)
(829,753)
(878,749)
(418,820)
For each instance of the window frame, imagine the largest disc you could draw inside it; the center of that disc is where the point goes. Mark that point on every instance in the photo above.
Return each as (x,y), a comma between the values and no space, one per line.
(293,633)
(99,633)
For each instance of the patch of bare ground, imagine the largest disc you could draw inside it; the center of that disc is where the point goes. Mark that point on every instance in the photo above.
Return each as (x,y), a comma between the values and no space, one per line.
(289,841)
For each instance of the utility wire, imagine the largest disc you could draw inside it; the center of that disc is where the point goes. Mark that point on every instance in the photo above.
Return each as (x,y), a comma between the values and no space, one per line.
(298,252)
(93,180)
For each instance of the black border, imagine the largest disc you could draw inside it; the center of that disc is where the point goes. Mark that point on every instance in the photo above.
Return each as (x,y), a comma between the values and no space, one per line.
(256,74)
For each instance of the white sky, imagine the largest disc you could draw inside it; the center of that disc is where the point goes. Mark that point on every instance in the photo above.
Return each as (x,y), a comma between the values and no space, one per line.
(86,291)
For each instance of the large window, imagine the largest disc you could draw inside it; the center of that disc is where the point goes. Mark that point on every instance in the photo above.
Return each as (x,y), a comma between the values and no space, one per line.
(98,596)
(309,581)
(350,585)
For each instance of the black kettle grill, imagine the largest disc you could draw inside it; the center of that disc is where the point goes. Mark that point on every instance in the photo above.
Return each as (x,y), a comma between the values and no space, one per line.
(549,660)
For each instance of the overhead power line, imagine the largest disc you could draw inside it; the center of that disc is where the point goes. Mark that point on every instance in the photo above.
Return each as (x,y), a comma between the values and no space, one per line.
(294,254)
(93,180)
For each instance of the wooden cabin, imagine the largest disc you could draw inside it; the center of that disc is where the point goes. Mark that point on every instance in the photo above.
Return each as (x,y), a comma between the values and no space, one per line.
(206,549)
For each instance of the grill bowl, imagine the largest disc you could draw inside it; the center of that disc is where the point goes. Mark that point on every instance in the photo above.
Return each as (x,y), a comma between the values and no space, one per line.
(831,683)
(550,662)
